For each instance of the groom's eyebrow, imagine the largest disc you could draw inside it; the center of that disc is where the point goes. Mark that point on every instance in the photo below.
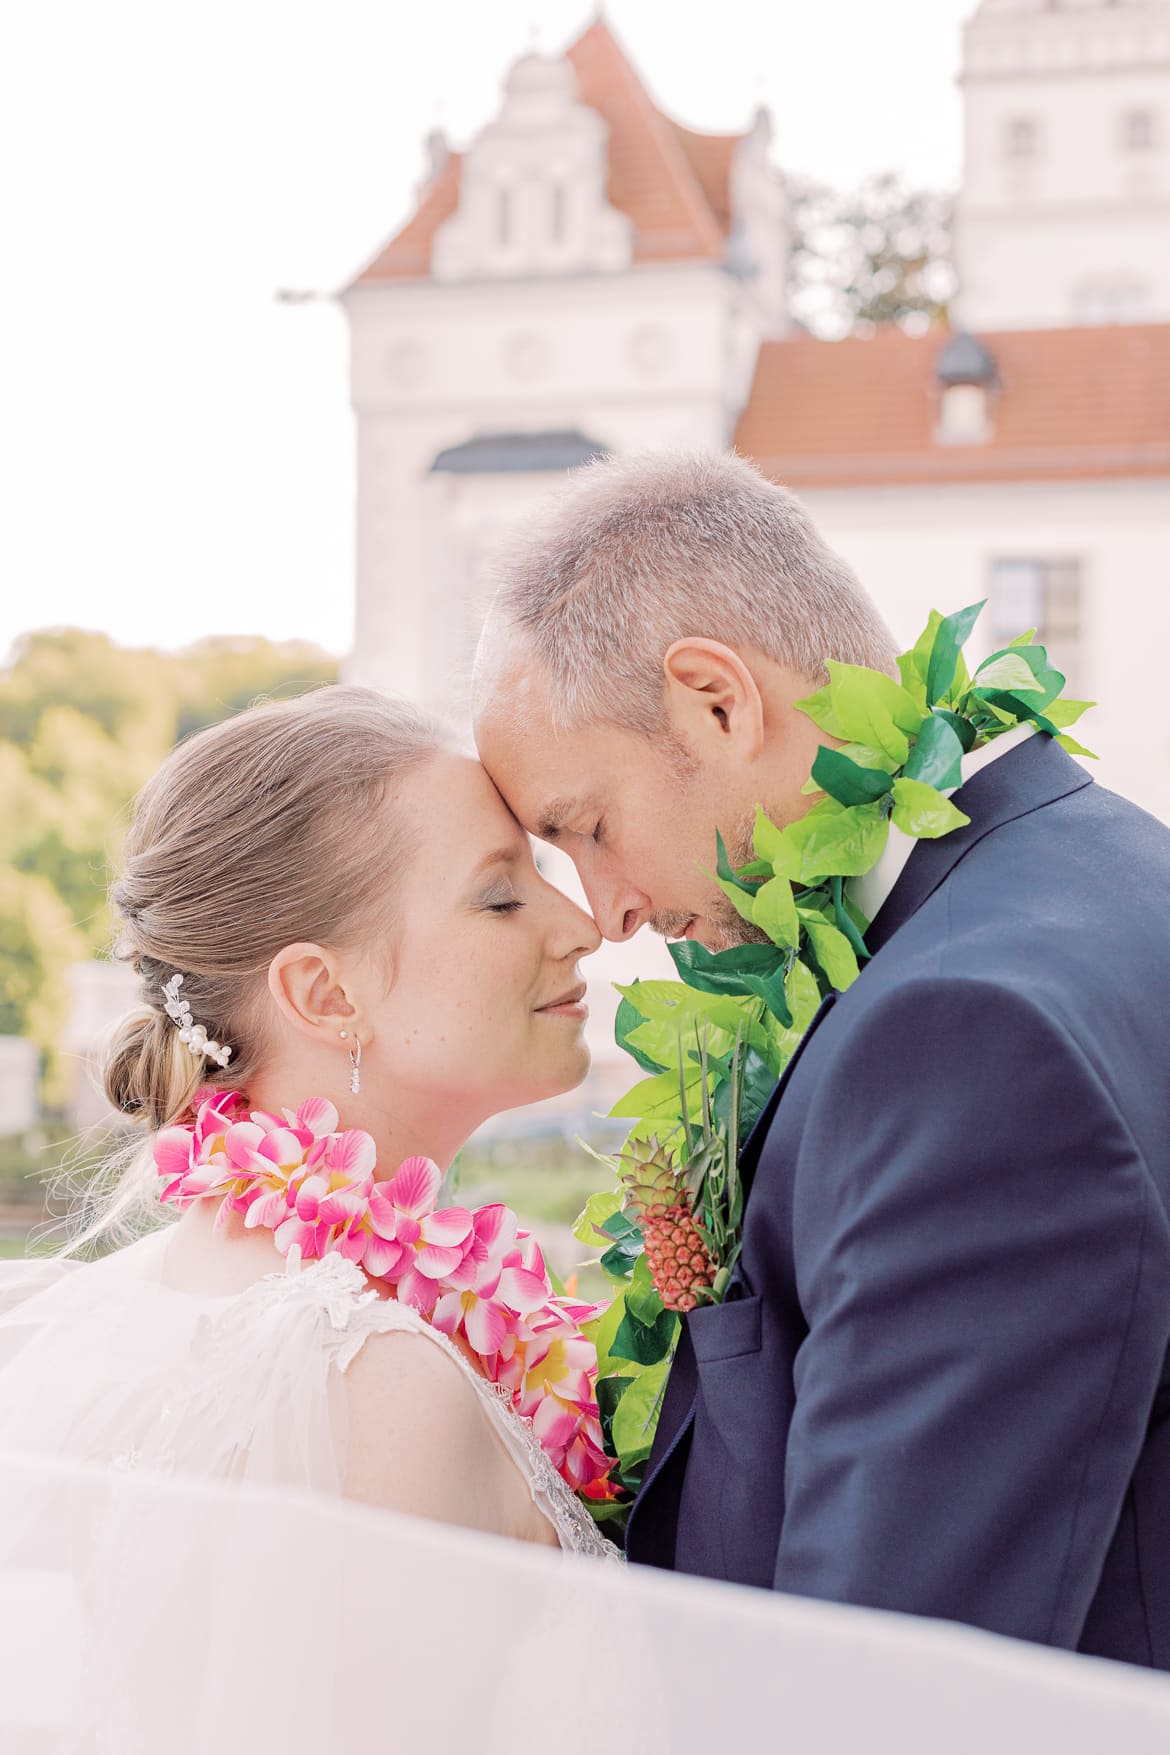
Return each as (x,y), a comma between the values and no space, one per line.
(554,818)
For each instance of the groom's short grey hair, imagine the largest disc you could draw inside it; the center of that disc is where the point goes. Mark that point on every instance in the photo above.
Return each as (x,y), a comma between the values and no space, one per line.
(637,552)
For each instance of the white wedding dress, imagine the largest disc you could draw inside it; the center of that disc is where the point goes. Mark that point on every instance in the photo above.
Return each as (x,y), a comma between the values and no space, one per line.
(105,1363)
(174,1581)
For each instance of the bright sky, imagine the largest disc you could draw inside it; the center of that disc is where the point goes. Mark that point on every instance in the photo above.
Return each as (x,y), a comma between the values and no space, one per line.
(175,445)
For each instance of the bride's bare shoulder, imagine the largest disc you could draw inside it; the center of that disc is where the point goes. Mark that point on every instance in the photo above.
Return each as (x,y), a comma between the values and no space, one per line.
(421,1439)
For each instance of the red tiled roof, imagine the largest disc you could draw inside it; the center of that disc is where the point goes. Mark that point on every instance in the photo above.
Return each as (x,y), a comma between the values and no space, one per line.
(1073,404)
(673,184)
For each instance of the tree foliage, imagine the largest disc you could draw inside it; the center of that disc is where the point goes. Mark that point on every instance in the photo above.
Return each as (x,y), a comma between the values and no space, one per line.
(83,724)
(877,254)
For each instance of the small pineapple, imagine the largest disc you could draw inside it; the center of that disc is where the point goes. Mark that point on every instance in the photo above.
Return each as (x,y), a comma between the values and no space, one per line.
(676,1250)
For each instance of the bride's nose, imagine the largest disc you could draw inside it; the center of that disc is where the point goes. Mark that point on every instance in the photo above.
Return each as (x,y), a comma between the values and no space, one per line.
(574,932)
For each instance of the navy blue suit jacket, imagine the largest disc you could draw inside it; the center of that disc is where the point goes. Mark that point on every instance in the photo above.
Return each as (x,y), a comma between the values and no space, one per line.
(940,1383)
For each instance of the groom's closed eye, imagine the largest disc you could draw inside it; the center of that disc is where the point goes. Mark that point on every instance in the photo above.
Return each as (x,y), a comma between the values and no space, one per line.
(552,821)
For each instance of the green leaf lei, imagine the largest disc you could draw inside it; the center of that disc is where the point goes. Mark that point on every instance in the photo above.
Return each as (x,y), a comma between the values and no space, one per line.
(714,1044)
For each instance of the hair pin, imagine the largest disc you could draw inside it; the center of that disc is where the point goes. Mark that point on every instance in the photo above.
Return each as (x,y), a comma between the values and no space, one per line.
(198,1042)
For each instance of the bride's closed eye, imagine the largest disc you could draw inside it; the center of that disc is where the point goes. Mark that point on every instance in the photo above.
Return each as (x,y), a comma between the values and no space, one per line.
(500,902)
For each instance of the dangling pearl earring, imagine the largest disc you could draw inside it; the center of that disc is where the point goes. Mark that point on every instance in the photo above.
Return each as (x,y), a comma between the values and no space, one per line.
(355,1061)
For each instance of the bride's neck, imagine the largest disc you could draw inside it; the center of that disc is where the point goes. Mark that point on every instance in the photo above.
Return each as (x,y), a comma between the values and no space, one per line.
(402,1123)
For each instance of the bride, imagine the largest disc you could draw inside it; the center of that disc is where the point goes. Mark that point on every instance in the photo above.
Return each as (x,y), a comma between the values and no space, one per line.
(326,905)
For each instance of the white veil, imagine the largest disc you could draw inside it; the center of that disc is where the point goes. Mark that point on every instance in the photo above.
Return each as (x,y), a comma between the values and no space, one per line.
(155,1615)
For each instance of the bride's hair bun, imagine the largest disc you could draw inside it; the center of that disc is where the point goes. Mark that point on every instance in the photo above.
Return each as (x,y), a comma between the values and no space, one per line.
(148,1074)
(251,836)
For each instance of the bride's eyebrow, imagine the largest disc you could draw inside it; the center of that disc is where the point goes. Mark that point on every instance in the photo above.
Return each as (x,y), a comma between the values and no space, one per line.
(555,816)
(501,856)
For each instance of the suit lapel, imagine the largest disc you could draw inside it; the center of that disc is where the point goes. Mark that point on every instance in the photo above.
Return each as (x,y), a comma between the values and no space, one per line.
(1036,774)
(749,1156)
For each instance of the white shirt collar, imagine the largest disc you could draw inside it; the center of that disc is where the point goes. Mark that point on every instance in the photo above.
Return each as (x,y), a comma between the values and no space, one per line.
(872,890)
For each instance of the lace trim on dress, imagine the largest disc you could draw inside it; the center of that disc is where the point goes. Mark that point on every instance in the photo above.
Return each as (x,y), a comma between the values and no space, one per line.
(355,1312)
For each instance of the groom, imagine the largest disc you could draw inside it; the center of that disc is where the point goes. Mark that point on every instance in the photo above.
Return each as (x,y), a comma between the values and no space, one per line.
(939,1383)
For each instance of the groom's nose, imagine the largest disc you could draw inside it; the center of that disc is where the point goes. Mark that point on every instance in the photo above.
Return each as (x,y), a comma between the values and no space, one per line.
(618,908)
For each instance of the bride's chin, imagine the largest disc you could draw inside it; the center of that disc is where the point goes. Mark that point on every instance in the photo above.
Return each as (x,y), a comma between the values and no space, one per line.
(572,1072)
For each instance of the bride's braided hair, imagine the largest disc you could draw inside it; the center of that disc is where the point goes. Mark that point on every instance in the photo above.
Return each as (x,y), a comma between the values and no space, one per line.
(253,834)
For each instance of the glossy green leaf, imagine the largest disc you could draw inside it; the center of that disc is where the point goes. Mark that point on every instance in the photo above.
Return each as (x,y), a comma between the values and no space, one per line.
(937,756)
(722,971)
(847,781)
(832,950)
(773,990)
(1066,713)
(640,1343)
(1031,675)
(598,1208)
(1074,748)
(923,812)
(820,709)
(864,755)
(1008,670)
(725,871)
(949,639)
(845,842)
(873,709)
(626,1024)
(775,912)
(913,665)
(636,1417)
(962,727)
(849,918)
(654,1097)
(610,1391)
(1016,709)
(642,1297)
(767,839)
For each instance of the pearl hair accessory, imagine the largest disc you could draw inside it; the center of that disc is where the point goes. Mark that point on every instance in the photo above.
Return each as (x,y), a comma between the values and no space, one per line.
(194,1035)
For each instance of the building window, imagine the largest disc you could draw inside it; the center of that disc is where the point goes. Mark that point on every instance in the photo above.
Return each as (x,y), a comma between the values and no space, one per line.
(964,418)
(1047,595)
(1139,131)
(1021,140)
(1111,301)
(556,212)
(504,218)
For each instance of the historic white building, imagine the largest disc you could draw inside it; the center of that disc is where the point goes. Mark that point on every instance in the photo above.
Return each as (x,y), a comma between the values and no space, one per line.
(1065,210)
(589,275)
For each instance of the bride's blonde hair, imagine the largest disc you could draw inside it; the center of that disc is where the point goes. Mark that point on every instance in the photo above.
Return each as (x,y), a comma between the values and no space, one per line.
(253,834)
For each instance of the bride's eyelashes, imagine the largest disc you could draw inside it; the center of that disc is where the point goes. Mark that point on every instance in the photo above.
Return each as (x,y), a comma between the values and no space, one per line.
(500,902)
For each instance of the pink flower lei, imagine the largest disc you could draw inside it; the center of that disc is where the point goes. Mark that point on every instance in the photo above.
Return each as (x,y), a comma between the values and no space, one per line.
(474,1275)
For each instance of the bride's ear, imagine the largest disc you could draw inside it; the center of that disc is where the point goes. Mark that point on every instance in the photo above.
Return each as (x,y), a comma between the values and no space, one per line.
(306,983)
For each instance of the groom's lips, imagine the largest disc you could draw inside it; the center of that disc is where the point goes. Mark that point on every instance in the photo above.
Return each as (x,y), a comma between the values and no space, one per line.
(569,1005)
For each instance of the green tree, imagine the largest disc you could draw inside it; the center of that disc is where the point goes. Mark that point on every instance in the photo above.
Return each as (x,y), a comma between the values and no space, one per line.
(877,254)
(38,942)
(83,723)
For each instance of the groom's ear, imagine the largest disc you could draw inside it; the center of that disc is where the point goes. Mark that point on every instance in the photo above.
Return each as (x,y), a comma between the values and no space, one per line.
(711,695)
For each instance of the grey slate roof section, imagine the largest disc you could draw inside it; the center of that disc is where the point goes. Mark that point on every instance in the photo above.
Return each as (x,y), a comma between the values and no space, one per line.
(505,453)
(965,360)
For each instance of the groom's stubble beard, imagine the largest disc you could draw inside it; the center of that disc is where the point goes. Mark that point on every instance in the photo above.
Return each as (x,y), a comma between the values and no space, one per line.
(723,926)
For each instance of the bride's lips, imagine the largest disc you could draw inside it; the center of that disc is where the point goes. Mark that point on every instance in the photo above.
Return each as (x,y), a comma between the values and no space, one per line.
(568,1005)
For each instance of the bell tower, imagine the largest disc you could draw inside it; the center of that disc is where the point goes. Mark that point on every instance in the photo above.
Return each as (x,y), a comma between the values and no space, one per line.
(1064,216)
